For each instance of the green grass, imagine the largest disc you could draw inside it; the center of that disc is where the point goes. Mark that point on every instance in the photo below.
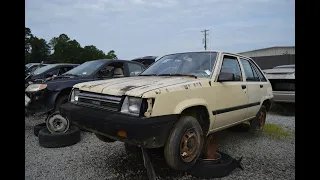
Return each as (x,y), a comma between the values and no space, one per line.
(276,131)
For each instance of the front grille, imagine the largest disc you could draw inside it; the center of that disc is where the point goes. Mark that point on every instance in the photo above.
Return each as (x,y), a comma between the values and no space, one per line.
(111,103)
(282,84)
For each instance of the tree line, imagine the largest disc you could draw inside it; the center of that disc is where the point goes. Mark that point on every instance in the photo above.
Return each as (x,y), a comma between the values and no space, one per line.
(60,49)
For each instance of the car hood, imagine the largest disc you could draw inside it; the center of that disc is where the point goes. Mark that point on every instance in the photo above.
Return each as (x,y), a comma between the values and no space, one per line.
(133,86)
(65,82)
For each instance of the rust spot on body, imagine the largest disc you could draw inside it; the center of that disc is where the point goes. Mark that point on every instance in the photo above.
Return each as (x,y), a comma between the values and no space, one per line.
(128,88)
(158,91)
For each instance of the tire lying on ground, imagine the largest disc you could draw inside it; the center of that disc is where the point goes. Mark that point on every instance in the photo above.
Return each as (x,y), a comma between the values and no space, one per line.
(38,127)
(55,140)
(209,168)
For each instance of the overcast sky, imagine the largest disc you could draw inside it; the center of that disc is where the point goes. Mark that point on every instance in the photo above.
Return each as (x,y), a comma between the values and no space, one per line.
(135,28)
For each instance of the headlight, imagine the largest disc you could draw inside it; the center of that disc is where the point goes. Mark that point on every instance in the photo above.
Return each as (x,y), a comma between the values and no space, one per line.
(74,95)
(35,87)
(131,105)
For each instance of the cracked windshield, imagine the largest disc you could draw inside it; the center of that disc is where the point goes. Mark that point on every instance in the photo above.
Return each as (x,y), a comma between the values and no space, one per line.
(199,64)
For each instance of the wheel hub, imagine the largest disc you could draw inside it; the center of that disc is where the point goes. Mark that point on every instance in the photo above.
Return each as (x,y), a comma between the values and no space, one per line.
(57,124)
(189,145)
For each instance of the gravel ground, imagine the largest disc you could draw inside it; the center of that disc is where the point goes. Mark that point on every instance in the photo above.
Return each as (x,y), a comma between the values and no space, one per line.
(264,157)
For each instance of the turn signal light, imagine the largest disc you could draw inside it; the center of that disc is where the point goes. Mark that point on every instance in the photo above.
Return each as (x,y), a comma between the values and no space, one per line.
(122,133)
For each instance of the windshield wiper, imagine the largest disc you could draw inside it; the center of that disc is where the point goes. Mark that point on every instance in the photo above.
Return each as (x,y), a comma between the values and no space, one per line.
(75,75)
(190,75)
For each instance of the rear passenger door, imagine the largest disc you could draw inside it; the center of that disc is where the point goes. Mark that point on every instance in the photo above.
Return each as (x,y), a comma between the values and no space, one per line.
(255,85)
(230,96)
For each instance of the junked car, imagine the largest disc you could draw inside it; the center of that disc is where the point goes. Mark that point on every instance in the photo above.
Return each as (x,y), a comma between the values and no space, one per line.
(48,71)
(30,67)
(282,79)
(47,96)
(146,60)
(175,103)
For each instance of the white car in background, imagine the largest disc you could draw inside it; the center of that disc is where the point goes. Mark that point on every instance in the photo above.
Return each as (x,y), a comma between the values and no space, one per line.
(282,79)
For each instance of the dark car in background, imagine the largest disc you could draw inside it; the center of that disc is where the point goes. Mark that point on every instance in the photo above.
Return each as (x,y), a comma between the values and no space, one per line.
(33,66)
(146,60)
(46,97)
(48,71)
(30,67)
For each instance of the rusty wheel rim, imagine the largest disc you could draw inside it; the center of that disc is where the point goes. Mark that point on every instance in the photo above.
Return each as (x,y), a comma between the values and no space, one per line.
(262,119)
(189,145)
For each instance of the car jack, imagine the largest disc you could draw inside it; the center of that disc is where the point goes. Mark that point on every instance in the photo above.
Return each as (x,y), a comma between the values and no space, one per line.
(148,165)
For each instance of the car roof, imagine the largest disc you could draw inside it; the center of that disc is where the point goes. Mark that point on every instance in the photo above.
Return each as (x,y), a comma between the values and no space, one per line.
(117,60)
(65,64)
(146,58)
(217,51)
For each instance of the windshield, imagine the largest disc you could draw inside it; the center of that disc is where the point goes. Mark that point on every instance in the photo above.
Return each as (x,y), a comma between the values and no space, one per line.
(43,69)
(199,64)
(86,68)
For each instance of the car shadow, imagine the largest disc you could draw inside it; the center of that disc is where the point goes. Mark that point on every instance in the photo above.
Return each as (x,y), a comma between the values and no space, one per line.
(284,109)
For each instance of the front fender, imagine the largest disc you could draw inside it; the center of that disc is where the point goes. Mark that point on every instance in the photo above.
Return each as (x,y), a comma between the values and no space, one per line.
(189,103)
(51,99)
(42,102)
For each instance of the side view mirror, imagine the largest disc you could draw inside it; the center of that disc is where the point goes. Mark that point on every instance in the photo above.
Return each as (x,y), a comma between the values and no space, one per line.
(225,76)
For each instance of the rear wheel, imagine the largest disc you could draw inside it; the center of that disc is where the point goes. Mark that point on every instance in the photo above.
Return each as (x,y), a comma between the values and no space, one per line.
(184,144)
(257,124)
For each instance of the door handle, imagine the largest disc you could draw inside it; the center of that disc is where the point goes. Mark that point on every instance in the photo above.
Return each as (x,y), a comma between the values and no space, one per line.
(261,86)
(243,86)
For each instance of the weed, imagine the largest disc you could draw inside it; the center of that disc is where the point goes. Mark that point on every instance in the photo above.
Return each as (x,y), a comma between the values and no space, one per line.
(276,131)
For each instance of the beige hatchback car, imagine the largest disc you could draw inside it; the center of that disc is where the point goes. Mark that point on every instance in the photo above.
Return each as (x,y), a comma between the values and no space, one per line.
(175,103)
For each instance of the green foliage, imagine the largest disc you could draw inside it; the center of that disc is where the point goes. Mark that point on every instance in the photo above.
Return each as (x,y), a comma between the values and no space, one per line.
(65,50)
(40,50)
(276,131)
(111,55)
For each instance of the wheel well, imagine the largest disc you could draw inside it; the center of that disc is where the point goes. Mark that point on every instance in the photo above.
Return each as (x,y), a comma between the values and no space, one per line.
(267,103)
(201,114)
(63,93)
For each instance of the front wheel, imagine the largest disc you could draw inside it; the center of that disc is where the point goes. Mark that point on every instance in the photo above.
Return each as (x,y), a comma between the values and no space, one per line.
(61,100)
(184,144)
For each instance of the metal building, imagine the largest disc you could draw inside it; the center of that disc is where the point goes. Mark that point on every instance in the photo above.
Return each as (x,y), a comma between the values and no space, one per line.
(268,58)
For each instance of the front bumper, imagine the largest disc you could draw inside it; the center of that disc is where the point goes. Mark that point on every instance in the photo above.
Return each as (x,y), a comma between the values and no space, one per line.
(41,102)
(140,131)
(284,96)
